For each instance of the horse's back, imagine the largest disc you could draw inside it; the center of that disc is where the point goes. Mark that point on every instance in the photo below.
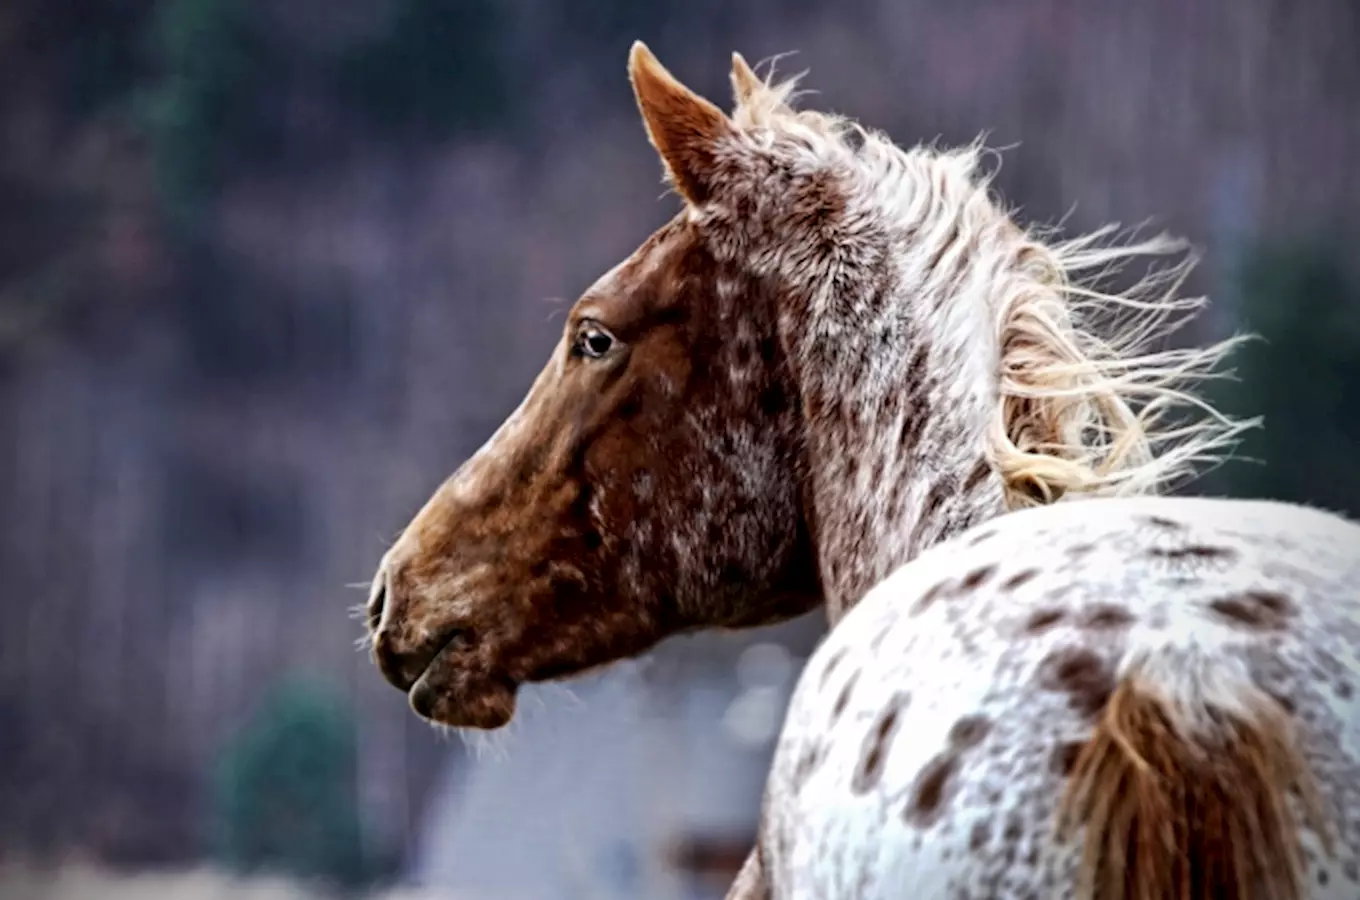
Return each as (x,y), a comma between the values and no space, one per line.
(934,734)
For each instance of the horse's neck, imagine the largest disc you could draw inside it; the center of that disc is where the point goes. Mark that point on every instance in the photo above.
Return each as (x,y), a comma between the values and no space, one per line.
(899,389)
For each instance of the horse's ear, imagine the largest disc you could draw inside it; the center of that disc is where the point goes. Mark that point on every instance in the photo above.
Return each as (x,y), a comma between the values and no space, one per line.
(745,82)
(684,127)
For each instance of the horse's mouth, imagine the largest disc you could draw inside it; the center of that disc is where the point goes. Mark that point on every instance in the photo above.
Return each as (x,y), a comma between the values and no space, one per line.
(451,692)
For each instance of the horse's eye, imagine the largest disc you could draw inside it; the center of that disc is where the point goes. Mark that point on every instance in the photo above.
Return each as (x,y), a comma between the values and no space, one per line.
(593,342)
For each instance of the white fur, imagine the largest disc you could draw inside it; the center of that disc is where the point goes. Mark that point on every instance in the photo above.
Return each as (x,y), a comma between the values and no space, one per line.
(914,260)
(970,656)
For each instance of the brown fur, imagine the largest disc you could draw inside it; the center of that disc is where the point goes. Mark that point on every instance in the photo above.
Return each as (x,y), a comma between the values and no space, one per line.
(683,127)
(837,355)
(1174,816)
(555,522)
(776,419)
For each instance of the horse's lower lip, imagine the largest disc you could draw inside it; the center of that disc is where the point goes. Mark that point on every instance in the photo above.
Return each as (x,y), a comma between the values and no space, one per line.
(462,698)
(423,698)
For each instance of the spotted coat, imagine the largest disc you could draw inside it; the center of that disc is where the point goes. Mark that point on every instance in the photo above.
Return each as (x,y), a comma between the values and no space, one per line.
(932,735)
(842,368)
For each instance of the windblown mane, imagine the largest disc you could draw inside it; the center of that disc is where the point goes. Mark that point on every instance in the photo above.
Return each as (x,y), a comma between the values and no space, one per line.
(1092,401)
(1087,415)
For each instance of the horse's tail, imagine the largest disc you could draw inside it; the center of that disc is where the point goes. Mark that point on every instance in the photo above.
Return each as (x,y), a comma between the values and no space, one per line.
(1183,791)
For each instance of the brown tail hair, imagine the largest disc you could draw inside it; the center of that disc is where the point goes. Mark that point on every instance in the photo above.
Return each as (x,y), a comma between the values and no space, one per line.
(1189,799)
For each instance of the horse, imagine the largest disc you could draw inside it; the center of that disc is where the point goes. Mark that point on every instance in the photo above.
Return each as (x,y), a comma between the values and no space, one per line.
(842,375)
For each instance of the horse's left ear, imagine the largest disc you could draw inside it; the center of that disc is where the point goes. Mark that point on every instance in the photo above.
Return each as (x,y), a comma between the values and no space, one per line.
(684,127)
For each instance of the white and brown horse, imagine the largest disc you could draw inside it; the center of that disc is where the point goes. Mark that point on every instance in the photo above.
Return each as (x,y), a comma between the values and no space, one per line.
(843,375)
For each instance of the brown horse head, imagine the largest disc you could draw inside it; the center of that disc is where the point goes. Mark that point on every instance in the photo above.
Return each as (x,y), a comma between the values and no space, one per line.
(647,483)
(837,353)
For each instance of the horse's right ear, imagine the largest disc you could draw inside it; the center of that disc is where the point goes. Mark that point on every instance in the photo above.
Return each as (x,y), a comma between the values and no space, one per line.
(746,84)
(684,127)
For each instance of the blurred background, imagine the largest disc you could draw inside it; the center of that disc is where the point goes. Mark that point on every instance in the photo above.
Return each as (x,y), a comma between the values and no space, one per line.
(269,271)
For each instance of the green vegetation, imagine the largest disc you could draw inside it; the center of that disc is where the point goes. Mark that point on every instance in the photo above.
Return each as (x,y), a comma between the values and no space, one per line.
(222,76)
(1304,304)
(215,67)
(284,800)
(435,70)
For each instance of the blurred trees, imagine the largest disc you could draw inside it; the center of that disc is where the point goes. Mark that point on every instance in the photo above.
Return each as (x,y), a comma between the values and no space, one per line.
(268,268)
(89,50)
(284,799)
(64,69)
(213,99)
(228,75)
(1302,376)
(435,69)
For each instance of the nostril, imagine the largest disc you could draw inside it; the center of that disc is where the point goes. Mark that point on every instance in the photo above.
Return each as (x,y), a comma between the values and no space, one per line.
(402,662)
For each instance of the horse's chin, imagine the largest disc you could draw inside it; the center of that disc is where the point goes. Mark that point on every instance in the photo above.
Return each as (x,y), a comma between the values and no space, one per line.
(461,698)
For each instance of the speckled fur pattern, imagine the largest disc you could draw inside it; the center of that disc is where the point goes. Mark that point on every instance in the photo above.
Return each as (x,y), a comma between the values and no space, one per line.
(931,736)
(837,353)
(839,371)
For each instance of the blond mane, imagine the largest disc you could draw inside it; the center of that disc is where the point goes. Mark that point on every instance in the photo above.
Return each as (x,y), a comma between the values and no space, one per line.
(1093,402)
(1083,414)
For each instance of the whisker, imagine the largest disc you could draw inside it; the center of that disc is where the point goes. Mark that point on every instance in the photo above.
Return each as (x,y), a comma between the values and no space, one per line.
(487,745)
